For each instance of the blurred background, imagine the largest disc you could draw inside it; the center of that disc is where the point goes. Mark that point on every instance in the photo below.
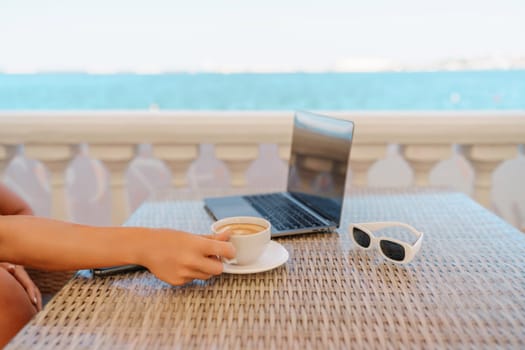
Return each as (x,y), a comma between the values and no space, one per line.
(69,68)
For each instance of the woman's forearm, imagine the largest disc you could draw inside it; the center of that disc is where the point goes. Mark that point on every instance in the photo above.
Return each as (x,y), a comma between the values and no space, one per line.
(174,256)
(57,245)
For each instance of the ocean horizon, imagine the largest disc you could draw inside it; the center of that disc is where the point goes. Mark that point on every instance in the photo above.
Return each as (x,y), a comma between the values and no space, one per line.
(374,91)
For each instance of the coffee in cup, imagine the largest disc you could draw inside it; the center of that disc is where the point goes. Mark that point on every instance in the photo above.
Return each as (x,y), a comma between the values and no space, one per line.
(241,228)
(249,235)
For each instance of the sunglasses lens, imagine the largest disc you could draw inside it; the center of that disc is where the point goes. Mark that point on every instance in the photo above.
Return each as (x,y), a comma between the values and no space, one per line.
(392,250)
(362,238)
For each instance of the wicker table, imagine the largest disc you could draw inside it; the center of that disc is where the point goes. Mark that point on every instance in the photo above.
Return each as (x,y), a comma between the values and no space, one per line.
(466,289)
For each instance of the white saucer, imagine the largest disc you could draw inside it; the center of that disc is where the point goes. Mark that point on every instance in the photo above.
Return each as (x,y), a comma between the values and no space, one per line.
(273,256)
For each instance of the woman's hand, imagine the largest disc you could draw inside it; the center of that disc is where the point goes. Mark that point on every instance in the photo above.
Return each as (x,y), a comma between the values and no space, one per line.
(179,257)
(20,274)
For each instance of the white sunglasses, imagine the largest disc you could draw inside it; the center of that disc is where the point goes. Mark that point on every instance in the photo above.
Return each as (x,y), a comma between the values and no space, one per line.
(391,249)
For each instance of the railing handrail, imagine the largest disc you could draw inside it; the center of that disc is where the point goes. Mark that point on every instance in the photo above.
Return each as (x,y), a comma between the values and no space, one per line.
(267,126)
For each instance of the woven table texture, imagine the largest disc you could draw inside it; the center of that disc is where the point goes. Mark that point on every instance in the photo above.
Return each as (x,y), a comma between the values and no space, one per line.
(465,289)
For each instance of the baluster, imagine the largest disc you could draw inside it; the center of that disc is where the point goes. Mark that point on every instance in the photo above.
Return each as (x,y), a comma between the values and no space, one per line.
(521,150)
(116,158)
(238,158)
(7,152)
(423,158)
(178,158)
(362,157)
(56,157)
(484,159)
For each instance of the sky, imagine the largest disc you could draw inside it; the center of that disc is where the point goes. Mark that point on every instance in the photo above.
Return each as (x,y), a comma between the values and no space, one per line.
(153,36)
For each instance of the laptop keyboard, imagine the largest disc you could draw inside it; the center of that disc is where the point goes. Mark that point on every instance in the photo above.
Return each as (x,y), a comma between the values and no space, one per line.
(283,213)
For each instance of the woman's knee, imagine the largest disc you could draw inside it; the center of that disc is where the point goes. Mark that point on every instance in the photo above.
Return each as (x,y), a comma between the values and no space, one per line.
(16,308)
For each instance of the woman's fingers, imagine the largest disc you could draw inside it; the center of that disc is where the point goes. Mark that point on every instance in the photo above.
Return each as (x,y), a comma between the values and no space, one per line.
(210,266)
(30,286)
(207,265)
(223,236)
(38,299)
(8,266)
(20,274)
(211,247)
(199,275)
(202,269)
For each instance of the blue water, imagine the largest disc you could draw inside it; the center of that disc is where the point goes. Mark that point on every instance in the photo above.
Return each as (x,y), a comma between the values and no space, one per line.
(466,90)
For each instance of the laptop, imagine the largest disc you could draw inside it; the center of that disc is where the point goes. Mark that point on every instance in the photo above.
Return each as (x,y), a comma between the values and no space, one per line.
(317,172)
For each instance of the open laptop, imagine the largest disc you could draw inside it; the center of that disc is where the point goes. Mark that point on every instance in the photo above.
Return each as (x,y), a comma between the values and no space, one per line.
(317,174)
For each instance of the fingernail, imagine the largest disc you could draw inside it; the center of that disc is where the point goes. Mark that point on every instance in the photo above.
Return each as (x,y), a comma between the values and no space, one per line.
(34,300)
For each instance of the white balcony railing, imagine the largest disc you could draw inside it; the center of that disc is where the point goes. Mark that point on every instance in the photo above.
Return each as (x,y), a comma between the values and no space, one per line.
(482,154)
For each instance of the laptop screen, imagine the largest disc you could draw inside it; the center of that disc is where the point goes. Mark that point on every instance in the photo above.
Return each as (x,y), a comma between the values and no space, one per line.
(319,162)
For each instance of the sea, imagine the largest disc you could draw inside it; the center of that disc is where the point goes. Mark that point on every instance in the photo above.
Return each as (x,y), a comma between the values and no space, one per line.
(379,91)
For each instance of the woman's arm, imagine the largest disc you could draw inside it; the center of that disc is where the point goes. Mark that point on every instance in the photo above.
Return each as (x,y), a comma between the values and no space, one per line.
(12,204)
(174,256)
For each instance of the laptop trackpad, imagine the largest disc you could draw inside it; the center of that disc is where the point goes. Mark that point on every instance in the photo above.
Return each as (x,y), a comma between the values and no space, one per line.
(224,207)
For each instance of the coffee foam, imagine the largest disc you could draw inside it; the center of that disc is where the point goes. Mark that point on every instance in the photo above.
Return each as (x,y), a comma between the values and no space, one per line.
(241,228)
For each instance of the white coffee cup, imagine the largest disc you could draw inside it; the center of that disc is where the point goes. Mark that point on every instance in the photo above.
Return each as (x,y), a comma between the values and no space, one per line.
(249,235)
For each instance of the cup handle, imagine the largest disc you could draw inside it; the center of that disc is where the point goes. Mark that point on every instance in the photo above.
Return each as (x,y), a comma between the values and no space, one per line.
(229,261)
